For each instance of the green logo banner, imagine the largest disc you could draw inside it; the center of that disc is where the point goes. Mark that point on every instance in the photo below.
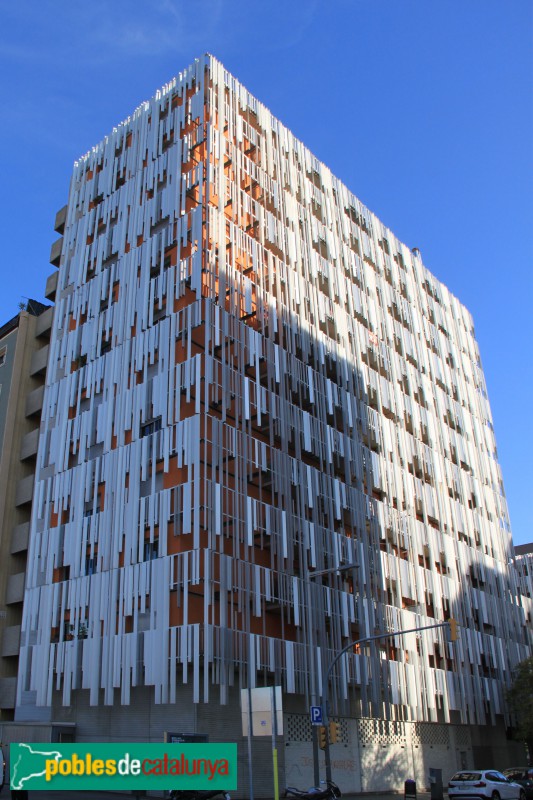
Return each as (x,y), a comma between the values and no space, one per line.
(119,767)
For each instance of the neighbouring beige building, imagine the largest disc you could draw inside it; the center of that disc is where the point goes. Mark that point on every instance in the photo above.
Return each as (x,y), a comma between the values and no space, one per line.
(24,348)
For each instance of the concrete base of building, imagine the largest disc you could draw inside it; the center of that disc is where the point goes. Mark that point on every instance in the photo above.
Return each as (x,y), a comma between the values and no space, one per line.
(371,756)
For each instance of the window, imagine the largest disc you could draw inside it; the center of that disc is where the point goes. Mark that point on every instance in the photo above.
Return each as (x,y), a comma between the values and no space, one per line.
(90,565)
(89,506)
(151,550)
(152,426)
(3,351)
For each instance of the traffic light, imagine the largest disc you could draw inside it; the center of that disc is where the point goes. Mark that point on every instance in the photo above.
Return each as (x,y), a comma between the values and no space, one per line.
(334,732)
(322,737)
(452,630)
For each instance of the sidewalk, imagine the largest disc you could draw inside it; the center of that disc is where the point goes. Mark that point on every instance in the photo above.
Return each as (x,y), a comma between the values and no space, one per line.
(6,795)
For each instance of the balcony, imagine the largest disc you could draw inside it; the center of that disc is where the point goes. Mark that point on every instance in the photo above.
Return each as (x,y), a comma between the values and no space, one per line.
(34,401)
(15,590)
(11,641)
(20,537)
(39,360)
(30,444)
(8,692)
(24,491)
(51,286)
(43,324)
(61,218)
(55,252)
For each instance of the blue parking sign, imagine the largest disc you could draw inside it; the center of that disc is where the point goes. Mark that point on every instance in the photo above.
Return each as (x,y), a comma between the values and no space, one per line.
(316,715)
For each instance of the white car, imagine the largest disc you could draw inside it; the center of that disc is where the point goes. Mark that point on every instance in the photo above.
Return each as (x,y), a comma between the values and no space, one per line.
(488,784)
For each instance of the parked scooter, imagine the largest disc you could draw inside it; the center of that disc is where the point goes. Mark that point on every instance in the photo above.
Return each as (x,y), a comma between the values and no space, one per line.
(328,792)
(197,794)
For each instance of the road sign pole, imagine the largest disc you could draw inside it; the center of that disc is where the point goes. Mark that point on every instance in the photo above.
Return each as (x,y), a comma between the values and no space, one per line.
(316,719)
(316,766)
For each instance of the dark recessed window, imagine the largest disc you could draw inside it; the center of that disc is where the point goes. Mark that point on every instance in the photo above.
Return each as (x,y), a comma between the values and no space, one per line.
(151,550)
(90,565)
(152,426)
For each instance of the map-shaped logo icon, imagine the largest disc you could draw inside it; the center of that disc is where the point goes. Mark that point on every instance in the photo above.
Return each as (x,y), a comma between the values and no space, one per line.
(29,762)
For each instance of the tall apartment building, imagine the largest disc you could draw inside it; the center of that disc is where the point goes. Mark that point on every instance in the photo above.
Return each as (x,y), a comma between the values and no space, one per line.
(23,359)
(250,380)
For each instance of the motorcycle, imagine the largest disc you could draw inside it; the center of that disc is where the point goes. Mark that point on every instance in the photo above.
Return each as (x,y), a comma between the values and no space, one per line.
(329,792)
(197,794)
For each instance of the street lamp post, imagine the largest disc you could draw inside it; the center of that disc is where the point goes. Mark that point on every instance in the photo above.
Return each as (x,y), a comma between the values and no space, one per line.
(451,624)
(312,672)
(312,651)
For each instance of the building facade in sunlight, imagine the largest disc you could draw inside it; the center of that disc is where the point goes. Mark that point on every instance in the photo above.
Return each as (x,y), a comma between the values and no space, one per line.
(251,379)
(524,566)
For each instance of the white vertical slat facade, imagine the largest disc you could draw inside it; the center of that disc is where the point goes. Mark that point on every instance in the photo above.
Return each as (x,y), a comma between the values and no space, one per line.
(252,378)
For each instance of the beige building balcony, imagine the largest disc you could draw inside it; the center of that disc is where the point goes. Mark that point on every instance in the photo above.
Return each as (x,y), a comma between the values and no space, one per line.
(15,589)
(43,323)
(61,218)
(55,252)
(51,286)
(39,360)
(29,445)
(20,537)
(8,692)
(10,641)
(24,492)
(34,401)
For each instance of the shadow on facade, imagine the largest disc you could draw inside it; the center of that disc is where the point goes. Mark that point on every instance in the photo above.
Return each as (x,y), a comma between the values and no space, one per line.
(307,456)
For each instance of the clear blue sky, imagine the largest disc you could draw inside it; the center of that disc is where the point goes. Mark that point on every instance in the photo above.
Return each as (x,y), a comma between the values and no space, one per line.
(424,109)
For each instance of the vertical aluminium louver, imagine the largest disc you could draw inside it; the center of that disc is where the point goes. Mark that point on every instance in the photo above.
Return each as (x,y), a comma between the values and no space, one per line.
(250,377)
